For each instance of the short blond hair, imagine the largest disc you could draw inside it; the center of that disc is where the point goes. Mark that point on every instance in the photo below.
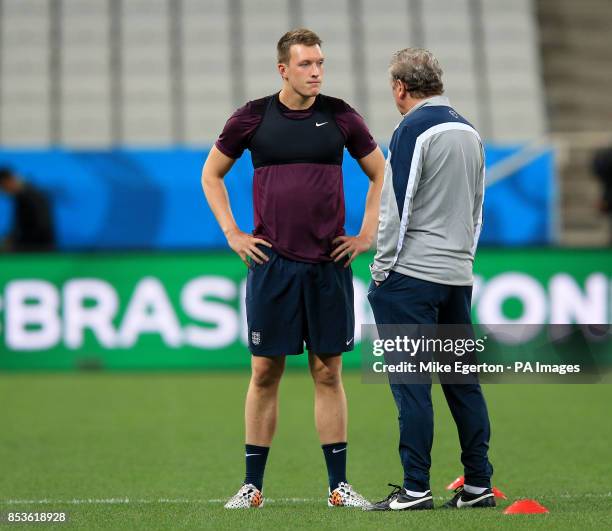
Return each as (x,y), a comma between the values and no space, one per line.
(297,36)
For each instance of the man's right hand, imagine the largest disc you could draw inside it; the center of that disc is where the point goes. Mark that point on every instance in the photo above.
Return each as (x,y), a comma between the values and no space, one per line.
(245,246)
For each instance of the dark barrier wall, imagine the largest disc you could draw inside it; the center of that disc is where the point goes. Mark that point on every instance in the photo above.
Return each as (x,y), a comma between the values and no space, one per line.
(122,199)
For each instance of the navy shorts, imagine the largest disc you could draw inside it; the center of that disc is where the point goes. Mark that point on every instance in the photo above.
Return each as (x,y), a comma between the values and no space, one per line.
(290,303)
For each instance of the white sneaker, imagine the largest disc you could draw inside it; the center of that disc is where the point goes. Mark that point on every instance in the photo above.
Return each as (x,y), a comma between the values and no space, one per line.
(249,496)
(345,496)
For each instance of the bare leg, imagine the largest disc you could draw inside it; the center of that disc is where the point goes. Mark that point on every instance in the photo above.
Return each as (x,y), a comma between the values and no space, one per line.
(330,400)
(261,406)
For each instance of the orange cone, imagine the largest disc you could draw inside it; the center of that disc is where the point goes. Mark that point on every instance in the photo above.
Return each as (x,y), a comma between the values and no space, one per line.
(526,507)
(499,494)
(457,483)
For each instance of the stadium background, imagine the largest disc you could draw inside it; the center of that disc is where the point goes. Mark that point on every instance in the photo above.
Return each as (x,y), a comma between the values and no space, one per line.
(110,107)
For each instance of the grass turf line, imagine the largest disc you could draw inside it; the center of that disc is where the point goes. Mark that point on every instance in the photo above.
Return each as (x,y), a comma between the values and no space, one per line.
(179,437)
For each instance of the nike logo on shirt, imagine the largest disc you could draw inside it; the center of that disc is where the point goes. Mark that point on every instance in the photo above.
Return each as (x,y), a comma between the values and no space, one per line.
(320,124)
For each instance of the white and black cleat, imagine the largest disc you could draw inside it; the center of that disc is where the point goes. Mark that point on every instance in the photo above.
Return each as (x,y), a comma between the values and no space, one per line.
(463,498)
(346,496)
(247,497)
(399,500)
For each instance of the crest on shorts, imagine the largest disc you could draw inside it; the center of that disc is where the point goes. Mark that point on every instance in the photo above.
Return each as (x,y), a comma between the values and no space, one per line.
(256,338)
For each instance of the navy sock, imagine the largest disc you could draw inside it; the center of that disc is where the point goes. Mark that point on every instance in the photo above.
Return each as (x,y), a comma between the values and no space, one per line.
(256,457)
(335,459)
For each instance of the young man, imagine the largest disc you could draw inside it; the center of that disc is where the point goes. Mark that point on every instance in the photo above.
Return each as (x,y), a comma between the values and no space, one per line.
(430,219)
(299,284)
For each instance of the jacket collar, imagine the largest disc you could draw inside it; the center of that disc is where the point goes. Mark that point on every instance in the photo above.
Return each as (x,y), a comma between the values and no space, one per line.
(433,100)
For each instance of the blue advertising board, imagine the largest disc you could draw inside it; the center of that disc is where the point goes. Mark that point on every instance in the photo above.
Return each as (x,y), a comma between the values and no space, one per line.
(152,199)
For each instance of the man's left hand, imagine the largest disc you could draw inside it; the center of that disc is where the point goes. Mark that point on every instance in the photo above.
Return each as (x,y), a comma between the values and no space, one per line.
(351,246)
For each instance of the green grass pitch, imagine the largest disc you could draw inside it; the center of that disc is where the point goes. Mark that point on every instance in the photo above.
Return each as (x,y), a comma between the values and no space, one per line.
(161,451)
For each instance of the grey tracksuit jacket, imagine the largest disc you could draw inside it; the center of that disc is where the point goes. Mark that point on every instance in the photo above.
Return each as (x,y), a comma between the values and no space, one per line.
(432,197)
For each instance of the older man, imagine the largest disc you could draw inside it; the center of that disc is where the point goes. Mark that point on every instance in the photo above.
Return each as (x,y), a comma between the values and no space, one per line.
(430,219)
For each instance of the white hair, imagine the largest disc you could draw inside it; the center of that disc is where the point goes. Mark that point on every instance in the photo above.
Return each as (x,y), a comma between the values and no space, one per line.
(419,70)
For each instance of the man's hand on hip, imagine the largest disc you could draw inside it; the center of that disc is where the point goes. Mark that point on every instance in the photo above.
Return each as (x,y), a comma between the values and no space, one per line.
(351,246)
(245,246)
